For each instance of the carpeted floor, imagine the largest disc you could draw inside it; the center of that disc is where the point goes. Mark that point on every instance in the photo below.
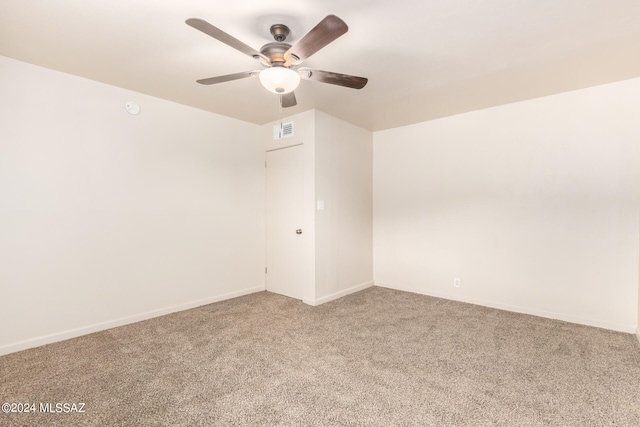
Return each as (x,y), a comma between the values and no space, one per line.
(377,358)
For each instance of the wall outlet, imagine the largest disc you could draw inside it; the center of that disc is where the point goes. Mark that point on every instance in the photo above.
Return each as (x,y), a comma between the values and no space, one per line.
(456,282)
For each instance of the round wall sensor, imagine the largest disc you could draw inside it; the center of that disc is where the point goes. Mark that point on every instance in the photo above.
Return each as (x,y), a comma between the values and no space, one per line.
(132,107)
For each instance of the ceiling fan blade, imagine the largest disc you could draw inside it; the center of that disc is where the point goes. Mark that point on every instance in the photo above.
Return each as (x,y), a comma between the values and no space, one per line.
(288,100)
(218,34)
(345,80)
(329,29)
(228,77)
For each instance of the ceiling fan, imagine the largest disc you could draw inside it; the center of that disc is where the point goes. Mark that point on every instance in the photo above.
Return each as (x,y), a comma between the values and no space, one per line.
(281,60)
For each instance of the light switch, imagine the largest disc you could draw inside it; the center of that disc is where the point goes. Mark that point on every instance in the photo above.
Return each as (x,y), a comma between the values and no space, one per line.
(320,205)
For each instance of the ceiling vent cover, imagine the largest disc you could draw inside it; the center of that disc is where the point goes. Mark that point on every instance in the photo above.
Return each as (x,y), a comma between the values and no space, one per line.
(283,130)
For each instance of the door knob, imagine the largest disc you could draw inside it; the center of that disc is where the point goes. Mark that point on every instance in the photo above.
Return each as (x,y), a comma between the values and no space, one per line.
(299,231)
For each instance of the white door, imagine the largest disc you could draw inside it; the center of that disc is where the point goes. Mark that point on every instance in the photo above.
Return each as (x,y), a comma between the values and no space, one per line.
(284,198)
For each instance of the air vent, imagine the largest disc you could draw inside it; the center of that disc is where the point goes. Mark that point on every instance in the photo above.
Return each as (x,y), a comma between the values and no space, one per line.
(283,130)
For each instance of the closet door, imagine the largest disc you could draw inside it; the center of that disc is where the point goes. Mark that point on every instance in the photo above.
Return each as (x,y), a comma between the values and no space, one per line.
(284,216)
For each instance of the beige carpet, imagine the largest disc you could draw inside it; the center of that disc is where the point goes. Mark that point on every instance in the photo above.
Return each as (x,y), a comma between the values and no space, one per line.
(379,357)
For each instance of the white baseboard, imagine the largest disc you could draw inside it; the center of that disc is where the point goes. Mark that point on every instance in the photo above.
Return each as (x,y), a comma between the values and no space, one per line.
(96,327)
(638,333)
(337,295)
(517,309)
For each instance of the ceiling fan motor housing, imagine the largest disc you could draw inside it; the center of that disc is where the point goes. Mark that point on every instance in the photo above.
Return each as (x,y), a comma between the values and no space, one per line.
(275,52)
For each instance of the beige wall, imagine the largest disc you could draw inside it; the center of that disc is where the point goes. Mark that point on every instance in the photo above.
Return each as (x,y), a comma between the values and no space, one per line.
(108,218)
(534,205)
(344,229)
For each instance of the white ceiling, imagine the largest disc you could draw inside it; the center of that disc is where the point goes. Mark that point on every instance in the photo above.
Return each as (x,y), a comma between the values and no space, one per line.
(424,58)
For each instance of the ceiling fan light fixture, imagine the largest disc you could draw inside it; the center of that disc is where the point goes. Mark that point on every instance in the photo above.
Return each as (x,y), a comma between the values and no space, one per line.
(280,80)
(282,75)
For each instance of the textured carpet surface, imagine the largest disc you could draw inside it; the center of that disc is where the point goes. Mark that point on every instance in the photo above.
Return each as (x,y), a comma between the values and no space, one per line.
(379,357)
